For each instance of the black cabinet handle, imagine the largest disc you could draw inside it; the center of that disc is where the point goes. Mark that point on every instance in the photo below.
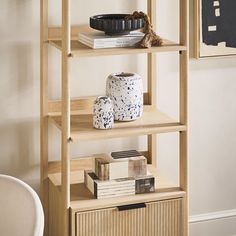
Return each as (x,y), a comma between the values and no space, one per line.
(131,206)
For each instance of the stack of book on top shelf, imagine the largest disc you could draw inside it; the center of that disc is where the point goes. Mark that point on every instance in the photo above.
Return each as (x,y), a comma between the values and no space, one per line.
(100,40)
(119,174)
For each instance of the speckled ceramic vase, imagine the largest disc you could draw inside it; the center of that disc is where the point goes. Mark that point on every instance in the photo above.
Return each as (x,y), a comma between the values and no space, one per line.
(126,92)
(103,113)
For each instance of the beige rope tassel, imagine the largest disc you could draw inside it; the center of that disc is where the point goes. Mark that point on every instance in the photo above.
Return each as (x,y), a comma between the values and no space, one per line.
(150,38)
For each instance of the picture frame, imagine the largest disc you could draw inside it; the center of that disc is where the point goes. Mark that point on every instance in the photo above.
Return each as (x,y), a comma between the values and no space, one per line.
(215,28)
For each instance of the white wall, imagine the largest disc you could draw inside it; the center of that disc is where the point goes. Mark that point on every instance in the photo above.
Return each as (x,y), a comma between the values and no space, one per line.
(212,104)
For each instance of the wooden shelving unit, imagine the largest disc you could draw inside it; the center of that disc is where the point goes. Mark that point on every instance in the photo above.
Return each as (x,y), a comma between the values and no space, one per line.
(69,207)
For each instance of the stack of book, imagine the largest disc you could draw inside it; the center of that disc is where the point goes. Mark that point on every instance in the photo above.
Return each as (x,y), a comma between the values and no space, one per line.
(100,40)
(119,174)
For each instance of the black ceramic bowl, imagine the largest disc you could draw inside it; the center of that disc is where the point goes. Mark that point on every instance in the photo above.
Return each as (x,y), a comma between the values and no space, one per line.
(115,24)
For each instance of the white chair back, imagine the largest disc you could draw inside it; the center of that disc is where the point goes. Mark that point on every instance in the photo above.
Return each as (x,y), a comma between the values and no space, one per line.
(21,212)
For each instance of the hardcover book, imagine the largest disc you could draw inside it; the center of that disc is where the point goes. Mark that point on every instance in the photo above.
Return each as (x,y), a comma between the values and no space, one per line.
(125,154)
(111,188)
(100,40)
(119,187)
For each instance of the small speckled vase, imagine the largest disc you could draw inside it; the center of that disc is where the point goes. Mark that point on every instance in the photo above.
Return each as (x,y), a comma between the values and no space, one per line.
(103,113)
(126,92)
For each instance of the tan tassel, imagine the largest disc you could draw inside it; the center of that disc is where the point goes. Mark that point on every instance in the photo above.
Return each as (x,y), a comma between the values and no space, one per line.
(150,38)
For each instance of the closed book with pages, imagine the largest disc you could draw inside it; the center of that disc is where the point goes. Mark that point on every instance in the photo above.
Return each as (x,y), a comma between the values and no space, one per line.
(111,188)
(98,40)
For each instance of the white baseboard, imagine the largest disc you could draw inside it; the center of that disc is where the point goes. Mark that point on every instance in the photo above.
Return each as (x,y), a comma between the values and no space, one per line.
(212,216)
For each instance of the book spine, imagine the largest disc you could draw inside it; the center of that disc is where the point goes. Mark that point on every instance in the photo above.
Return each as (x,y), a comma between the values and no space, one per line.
(117,182)
(117,191)
(125,154)
(110,187)
(113,191)
(115,44)
(118,43)
(107,40)
(116,195)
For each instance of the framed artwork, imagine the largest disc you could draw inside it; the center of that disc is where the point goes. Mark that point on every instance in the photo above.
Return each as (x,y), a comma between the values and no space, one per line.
(215,28)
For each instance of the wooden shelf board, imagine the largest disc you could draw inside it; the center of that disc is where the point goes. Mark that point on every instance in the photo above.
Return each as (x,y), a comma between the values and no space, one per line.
(152,121)
(82,199)
(80,50)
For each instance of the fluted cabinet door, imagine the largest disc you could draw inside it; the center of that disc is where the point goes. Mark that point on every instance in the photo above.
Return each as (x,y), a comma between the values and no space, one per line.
(161,218)
(111,222)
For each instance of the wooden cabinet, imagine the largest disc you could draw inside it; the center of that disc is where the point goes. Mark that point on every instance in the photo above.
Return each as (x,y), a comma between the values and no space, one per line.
(162,218)
(70,209)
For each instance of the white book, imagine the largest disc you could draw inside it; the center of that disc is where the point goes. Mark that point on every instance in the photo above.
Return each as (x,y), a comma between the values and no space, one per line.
(109,45)
(100,40)
(123,184)
(115,191)
(100,189)
(115,195)
(99,45)
(111,40)
(101,37)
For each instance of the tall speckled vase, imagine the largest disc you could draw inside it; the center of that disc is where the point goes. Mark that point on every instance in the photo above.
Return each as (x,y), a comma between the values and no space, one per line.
(126,92)
(103,113)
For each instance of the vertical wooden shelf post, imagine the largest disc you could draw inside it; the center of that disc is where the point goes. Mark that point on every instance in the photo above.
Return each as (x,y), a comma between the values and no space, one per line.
(44,109)
(65,134)
(151,86)
(184,55)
